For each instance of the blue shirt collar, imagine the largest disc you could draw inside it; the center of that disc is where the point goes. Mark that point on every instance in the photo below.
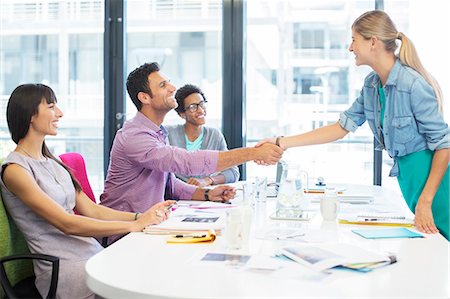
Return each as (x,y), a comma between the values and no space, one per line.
(393,75)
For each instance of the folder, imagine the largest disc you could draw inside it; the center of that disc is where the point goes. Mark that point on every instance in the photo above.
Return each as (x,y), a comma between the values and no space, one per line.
(377,220)
(197,237)
(385,233)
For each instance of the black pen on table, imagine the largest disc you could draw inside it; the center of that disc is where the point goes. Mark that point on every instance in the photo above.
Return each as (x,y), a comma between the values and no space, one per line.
(190,236)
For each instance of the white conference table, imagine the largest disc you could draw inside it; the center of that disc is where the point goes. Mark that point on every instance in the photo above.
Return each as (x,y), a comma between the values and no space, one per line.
(145,266)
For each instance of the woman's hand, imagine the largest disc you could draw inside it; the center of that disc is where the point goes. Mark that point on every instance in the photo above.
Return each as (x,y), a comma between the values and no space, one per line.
(156,214)
(423,219)
(266,140)
(222,193)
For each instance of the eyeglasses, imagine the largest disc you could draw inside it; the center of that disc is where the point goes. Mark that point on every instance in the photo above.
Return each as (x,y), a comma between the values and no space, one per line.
(194,106)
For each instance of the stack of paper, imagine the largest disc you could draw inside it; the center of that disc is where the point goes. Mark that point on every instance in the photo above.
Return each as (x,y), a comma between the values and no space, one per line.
(185,220)
(328,256)
(349,198)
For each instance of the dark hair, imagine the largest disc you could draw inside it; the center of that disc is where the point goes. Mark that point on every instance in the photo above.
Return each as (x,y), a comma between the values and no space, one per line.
(185,91)
(137,82)
(22,105)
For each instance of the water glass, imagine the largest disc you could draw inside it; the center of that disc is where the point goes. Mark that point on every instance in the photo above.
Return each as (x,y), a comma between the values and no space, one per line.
(260,192)
(233,230)
(248,193)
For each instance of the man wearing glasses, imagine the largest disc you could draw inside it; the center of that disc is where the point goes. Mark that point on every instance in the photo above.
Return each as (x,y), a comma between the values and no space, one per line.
(193,135)
(141,165)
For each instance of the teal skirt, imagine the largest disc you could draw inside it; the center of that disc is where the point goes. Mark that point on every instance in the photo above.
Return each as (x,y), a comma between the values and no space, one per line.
(414,171)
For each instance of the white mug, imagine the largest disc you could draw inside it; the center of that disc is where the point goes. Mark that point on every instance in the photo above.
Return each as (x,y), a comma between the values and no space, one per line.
(329,207)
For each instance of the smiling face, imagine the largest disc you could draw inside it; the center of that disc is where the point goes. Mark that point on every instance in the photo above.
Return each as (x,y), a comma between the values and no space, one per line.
(163,93)
(45,122)
(196,118)
(361,48)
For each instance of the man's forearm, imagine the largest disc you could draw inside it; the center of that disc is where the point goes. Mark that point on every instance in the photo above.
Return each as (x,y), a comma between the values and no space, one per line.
(235,157)
(199,194)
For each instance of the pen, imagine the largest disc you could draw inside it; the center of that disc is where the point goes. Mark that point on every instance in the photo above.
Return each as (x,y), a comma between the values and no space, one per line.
(318,191)
(290,236)
(169,208)
(190,236)
(383,218)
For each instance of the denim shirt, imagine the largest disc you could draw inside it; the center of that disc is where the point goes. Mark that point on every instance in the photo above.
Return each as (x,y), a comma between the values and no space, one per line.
(412,121)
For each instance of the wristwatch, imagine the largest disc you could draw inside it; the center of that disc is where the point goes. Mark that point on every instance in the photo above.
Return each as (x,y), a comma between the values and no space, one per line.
(277,141)
(206,194)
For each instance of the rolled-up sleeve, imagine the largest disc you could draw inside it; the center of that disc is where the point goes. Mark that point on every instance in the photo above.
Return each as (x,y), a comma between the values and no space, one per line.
(353,117)
(347,123)
(430,122)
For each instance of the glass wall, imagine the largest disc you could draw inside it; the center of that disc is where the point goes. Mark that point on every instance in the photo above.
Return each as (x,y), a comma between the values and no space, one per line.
(60,44)
(185,38)
(300,77)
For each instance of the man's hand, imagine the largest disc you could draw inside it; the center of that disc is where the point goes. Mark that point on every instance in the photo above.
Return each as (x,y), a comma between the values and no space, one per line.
(268,154)
(222,193)
(200,182)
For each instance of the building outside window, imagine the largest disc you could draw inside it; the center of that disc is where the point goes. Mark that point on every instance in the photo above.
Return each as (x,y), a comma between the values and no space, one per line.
(60,44)
(185,38)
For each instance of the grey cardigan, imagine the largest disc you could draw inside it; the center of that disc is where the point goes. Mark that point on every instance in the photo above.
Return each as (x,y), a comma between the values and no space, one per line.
(212,140)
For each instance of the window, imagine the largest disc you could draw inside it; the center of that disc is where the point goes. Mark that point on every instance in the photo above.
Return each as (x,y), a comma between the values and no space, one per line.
(303,45)
(185,38)
(60,44)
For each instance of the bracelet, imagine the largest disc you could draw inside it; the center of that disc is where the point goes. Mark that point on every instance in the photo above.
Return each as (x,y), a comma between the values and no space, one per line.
(136,215)
(212,180)
(277,141)
(206,195)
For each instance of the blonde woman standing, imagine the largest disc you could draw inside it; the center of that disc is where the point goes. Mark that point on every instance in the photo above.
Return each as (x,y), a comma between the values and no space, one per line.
(402,103)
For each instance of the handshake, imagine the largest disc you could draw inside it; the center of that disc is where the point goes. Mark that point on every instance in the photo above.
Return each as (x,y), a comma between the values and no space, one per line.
(268,151)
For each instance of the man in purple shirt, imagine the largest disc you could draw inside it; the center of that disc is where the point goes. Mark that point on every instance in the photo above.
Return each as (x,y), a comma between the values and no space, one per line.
(141,166)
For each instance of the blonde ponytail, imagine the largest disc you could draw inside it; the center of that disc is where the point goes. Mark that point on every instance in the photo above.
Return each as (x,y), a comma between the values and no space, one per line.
(378,23)
(408,56)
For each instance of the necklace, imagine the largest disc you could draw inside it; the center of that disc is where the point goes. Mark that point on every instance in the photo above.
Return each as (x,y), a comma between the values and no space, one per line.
(25,151)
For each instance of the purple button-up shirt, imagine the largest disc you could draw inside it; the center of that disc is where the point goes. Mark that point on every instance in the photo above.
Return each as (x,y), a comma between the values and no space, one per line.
(141,167)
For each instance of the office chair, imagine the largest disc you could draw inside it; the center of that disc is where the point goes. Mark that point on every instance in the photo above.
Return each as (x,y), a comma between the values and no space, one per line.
(75,162)
(16,267)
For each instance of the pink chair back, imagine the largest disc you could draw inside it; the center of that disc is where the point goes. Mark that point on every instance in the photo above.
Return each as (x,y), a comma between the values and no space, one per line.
(75,162)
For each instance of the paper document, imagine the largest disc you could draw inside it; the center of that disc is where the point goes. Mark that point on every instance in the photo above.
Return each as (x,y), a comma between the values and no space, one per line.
(377,219)
(328,256)
(349,198)
(187,220)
